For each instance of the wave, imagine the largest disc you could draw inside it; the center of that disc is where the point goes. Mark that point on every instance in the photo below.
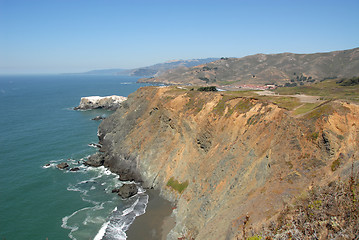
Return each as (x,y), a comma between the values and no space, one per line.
(102,231)
(103,228)
(113,224)
(121,220)
(71,228)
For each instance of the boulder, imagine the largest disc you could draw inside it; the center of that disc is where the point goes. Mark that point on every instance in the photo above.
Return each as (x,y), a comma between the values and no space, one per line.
(74,169)
(97,118)
(95,145)
(126,190)
(95,160)
(62,165)
(126,177)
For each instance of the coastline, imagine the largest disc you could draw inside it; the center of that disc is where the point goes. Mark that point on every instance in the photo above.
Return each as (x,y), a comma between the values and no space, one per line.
(156,222)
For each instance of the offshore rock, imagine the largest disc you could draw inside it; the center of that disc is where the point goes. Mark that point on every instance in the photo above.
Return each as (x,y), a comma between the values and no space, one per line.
(126,190)
(94,102)
(62,165)
(95,145)
(98,118)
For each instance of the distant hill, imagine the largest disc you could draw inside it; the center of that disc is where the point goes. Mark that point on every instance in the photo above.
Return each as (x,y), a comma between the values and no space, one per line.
(157,69)
(281,69)
(152,70)
(112,71)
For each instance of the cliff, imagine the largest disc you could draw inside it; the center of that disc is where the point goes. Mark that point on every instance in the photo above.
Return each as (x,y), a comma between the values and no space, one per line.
(261,69)
(93,102)
(220,157)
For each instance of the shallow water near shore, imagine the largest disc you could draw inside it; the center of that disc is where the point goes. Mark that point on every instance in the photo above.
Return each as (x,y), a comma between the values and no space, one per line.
(39,127)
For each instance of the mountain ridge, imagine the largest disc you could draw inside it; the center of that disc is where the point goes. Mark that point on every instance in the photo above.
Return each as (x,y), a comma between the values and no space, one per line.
(152,70)
(280,69)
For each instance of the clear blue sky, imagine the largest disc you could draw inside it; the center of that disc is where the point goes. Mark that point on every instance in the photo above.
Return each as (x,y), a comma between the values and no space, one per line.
(51,36)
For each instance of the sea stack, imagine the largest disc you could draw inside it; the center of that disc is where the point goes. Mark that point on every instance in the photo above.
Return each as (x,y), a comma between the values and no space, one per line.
(94,102)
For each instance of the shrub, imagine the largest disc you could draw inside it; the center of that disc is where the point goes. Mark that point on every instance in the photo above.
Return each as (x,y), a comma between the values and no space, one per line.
(207,89)
(335,165)
(348,82)
(176,185)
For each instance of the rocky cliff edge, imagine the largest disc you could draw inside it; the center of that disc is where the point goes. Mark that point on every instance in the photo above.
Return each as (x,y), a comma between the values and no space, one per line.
(222,158)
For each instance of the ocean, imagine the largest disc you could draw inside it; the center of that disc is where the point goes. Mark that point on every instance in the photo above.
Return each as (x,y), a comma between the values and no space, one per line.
(39,129)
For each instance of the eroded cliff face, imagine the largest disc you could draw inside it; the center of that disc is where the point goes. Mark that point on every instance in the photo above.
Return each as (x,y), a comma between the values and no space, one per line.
(239,156)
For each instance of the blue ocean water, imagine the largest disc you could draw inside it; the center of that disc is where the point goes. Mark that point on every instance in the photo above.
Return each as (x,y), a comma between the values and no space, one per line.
(39,127)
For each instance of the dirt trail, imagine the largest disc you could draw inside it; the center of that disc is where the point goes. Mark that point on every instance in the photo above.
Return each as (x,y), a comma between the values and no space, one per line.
(302,97)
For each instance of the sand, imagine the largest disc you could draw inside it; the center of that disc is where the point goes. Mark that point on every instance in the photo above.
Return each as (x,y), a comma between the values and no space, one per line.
(156,223)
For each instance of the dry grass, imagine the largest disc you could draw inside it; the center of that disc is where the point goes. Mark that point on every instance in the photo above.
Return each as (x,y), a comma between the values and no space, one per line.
(327,212)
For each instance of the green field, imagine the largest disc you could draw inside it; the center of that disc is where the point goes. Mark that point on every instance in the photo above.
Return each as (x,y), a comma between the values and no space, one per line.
(327,90)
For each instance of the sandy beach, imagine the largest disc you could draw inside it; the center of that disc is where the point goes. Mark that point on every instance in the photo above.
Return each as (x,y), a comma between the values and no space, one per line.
(156,223)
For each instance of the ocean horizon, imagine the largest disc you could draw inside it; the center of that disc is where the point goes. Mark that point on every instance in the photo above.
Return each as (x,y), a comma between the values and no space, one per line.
(39,130)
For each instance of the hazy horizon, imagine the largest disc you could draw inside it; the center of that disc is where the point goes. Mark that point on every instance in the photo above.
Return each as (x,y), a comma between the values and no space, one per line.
(63,36)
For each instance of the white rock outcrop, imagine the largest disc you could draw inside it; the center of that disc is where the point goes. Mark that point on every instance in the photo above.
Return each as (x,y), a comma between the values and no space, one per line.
(93,102)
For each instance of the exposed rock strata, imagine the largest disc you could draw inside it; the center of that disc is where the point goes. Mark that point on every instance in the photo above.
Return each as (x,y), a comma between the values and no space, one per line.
(240,156)
(94,102)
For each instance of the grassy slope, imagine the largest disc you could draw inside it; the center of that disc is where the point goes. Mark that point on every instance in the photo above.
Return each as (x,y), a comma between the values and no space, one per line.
(327,90)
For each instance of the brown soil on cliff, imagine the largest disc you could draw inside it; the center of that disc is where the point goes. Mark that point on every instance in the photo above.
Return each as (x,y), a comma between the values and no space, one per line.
(325,212)
(222,156)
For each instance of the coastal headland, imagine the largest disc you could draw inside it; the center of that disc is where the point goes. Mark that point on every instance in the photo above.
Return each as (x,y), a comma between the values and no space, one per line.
(228,159)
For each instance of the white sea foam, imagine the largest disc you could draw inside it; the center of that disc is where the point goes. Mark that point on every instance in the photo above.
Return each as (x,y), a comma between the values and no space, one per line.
(130,209)
(120,221)
(126,83)
(53,163)
(103,228)
(102,231)
(49,165)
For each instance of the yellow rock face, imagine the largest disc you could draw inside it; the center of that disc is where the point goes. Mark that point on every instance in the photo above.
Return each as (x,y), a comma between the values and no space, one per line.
(240,156)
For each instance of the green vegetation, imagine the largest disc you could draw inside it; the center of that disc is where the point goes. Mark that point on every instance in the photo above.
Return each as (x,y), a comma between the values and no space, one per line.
(243,105)
(348,82)
(288,103)
(323,110)
(176,185)
(335,164)
(306,107)
(222,104)
(330,89)
(314,136)
(255,238)
(207,89)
